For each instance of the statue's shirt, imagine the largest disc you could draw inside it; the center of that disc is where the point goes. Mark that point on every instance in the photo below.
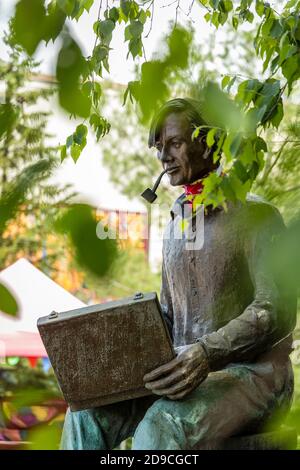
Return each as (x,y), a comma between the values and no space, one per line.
(217,285)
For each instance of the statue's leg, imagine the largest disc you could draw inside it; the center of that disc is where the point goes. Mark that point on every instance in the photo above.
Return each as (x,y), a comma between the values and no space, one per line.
(104,427)
(226,403)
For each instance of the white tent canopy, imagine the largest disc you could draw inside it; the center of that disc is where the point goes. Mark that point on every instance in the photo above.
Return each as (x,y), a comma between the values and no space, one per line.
(37,295)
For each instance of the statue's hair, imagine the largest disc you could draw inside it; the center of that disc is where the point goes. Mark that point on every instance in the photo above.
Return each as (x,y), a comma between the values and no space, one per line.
(189,107)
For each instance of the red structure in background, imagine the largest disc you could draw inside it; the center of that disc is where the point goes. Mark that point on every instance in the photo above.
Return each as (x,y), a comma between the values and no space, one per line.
(132,228)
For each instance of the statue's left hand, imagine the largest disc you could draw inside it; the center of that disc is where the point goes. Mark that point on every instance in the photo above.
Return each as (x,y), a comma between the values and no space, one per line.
(180,376)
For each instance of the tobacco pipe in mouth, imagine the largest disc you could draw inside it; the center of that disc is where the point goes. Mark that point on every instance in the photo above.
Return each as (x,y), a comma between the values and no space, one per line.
(149,194)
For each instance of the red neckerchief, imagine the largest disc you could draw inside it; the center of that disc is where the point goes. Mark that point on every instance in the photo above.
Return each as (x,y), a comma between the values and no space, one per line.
(194,188)
(191,190)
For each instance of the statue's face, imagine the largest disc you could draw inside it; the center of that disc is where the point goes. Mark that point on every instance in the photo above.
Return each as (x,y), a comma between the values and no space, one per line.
(179,154)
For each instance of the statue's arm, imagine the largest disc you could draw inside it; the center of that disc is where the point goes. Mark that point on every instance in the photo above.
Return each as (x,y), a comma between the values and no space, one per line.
(166,300)
(271,315)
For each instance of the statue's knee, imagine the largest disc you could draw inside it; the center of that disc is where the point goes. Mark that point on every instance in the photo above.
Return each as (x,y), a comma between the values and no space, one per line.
(82,417)
(159,429)
(162,414)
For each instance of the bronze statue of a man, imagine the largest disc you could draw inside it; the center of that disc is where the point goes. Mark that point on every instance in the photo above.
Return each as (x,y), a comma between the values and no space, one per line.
(229,316)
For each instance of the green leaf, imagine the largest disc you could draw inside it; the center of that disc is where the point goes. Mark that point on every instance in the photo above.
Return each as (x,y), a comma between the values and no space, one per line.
(247,154)
(260,144)
(249,16)
(70,67)
(290,4)
(219,110)
(179,43)
(226,79)
(8,117)
(152,90)
(114,14)
(291,69)
(63,152)
(235,22)
(217,152)
(69,141)
(28,24)
(125,7)
(100,125)
(231,83)
(227,189)
(214,4)
(231,145)
(96,93)
(87,88)
(132,90)
(287,51)
(104,29)
(53,23)
(222,18)
(143,15)
(75,143)
(136,29)
(277,30)
(277,115)
(259,7)
(240,189)
(80,134)
(135,47)
(80,6)
(100,52)
(91,252)
(8,303)
(269,54)
(44,436)
(215,19)
(75,151)
(210,138)
(67,6)
(240,170)
(266,27)
(228,6)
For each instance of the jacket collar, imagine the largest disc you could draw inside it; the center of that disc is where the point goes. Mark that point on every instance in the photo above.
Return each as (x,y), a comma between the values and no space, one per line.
(182,207)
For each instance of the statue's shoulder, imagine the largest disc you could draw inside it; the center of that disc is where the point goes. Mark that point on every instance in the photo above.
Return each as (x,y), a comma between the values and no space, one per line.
(259,202)
(261,208)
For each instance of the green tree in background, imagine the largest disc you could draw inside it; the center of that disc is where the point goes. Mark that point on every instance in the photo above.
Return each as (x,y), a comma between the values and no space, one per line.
(279,182)
(28,142)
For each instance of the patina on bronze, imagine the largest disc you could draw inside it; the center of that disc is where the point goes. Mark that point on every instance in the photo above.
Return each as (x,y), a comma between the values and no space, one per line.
(231,318)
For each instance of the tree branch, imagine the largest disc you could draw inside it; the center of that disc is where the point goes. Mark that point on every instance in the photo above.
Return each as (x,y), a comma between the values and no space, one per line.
(268,170)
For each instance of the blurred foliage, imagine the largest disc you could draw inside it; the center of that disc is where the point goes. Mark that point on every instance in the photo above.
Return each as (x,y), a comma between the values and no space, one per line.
(26,163)
(259,102)
(279,181)
(293,417)
(128,275)
(26,395)
(125,151)
(44,437)
(243,126)
(27,385)
(29,201)
(80,225)
(8,303)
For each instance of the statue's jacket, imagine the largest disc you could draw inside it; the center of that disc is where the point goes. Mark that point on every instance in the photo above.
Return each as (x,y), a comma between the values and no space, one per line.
(220,285)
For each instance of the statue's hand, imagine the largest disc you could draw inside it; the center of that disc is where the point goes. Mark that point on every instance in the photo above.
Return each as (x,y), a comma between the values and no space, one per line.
(180,376)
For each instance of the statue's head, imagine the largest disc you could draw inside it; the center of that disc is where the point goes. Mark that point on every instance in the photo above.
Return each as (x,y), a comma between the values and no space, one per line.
(171,133)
